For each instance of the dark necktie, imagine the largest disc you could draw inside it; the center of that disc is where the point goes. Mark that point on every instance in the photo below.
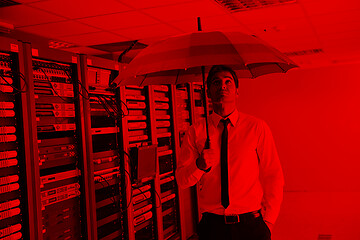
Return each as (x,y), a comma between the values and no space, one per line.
(224,165)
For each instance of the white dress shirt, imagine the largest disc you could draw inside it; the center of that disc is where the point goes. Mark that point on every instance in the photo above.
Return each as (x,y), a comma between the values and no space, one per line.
(255,174)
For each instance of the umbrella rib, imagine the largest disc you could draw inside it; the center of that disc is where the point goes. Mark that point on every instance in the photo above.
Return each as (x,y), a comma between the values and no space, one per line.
(280,67)
(252,75)
(177,77)
(143,80)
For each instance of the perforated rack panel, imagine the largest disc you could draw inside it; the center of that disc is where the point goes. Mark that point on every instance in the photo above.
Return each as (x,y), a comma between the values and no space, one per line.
(138,116)
(166,154)
(143,207)
(183,109)
(105,114)
(59,148)
(12,164)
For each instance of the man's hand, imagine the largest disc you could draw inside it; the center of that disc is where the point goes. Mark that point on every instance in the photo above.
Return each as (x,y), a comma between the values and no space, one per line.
(207,159)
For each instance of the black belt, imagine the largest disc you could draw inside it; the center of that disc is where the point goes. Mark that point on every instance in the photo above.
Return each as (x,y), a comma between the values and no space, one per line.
(234,218)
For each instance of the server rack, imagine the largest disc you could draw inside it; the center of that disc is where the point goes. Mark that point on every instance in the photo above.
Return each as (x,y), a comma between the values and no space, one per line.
(80,162)
(14,148)
(141,199)
(189,108)
(184,116)
(164,122)
(102,119)
(55,112)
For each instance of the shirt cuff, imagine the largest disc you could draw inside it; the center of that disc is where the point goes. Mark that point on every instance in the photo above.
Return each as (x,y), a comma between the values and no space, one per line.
(196,172)
(268,217)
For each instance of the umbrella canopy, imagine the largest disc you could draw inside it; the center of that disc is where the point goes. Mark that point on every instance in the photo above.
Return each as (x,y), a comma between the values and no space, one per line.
(179,59)
(184,58)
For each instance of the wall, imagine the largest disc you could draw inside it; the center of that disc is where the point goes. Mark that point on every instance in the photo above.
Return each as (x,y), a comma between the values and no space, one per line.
(314,114)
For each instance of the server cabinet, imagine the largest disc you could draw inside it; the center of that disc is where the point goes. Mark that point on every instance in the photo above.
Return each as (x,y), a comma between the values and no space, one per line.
(57,137)
(164,128)
(103,113)
(14,145)
(189,108)
(138,147)
(101,161)
(184,113)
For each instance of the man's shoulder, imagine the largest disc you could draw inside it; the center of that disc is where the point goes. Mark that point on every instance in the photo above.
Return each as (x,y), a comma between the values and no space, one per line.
(256,123)
(249,118)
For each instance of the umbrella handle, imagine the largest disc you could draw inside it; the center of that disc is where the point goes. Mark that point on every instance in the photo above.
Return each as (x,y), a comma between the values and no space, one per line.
(207,143)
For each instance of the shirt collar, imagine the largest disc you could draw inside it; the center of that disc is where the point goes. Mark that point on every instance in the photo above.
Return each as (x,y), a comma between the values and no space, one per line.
(233,117)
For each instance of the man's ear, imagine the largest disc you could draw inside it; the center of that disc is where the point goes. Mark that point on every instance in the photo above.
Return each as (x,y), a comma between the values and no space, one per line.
(208,92)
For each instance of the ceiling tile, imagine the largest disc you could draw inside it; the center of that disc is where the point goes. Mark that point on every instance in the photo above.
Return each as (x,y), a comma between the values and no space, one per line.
(81,8)
(326,7)
(336,22)
(21,15)
(350,38)
(143,4)
(58,29)
(224,22)
(119,20)
(343,53)
(344,47)
(313,60)
(291,28)
(271,14)
(189,25)
(157,30)
(338,28)
(190,10)
(336,17)
(296,44)
(307,24)
(93,38)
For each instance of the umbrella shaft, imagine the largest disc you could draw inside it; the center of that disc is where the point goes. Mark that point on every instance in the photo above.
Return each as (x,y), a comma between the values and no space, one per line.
(207,143)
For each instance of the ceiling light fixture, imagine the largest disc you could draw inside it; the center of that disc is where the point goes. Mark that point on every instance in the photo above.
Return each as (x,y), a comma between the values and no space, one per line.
(6,27)
(7,3)
(58,44)
(244,5)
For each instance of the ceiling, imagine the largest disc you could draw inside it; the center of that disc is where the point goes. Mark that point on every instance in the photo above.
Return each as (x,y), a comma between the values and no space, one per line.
(310,32)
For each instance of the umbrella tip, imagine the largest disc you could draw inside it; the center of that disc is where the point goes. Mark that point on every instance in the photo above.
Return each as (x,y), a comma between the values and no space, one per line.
(199,24)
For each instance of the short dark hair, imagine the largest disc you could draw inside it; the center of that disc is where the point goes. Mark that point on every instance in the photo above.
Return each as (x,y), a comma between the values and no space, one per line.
(221,68)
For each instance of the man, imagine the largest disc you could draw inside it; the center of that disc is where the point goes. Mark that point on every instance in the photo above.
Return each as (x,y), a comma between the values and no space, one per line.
(240,176)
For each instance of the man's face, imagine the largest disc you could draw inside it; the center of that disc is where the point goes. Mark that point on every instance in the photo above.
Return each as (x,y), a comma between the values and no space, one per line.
(222,88)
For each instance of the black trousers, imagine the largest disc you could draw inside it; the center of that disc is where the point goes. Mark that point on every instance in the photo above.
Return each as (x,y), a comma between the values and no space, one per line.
(215,228)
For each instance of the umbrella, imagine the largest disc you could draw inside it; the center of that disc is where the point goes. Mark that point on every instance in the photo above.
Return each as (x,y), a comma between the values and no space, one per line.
(185,58)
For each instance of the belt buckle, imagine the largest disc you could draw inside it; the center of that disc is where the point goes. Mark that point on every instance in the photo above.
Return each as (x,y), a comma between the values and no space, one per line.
(256,214)
(232,219)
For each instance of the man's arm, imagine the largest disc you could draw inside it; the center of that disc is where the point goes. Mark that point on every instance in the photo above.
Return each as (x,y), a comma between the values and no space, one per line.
(187,173)
(271,175)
